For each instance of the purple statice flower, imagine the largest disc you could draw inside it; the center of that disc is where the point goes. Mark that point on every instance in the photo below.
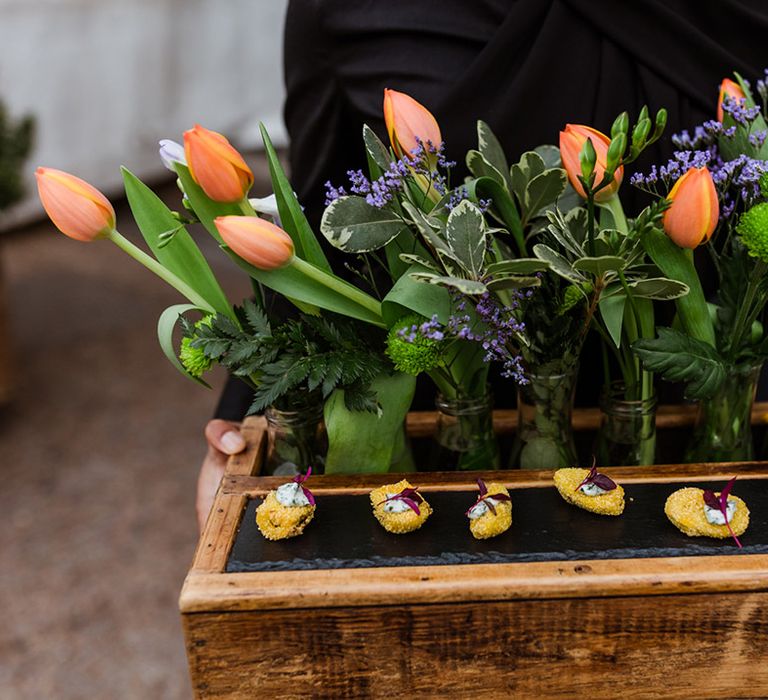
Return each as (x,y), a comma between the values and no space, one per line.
(758,138)
(739,111)
(333,193)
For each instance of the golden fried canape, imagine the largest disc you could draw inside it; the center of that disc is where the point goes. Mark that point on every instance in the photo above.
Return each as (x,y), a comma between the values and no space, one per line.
(687,510)
(399,507)
(492,512)
(572,483)
(287,510)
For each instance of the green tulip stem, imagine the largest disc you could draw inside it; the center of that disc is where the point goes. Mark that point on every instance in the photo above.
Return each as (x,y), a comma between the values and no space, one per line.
(337,285)
(613,205)
(245,207)
(162,272)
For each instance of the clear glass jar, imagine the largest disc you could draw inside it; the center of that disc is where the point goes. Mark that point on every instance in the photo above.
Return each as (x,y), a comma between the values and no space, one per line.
(296,440)
(723,429)
(627,435)
(464,437)
(544,438)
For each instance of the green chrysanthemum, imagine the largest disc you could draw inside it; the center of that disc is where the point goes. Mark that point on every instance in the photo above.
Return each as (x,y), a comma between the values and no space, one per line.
(193,359)
(753,231)
(409,347)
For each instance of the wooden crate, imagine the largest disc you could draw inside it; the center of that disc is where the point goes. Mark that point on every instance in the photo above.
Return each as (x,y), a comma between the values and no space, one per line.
(672,627)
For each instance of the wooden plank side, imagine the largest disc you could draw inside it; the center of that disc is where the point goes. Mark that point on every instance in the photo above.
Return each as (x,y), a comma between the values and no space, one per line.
(702,646)
(248,462)
(422,423)
(219,532)
(328,588)
(353,484)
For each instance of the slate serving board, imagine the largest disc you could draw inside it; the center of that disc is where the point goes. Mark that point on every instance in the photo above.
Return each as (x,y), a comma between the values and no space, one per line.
(344,533)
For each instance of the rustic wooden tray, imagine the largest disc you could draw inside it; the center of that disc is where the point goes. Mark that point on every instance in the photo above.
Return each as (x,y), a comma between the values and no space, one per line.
(568,623)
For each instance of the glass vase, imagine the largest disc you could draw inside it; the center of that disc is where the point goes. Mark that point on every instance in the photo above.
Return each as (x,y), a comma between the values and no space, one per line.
(464,438)
(723,429)
(296,440)
(627,434)
(544,438)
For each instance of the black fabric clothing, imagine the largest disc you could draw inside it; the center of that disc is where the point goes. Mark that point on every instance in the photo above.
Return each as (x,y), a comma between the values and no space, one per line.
(527,67)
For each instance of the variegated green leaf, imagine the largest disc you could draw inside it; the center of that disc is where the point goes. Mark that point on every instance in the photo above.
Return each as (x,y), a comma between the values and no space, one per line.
(467,238)
(470,287)
(354,226)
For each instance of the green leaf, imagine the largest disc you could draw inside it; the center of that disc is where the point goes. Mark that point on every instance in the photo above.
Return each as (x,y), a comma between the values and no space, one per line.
(677,264)
(550,155)
(376,149)
(180,254)
(291,214)
(519,266)
(466,236)
(418,260)
(612,313)
(409,296)
(601,265)
(530,165)
(360,441)
(354,226)
(660,288)
(296,286)
(679,358)
(503,207)
(480,167)
(557,263)
(165,325)
(470,287)
(512,282)
(542,191)
(492,152)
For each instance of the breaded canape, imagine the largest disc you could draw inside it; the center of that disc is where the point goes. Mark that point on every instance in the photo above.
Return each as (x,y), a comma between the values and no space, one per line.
(590,490)
(287,510)
(399,507)
(492,512)
(687,511)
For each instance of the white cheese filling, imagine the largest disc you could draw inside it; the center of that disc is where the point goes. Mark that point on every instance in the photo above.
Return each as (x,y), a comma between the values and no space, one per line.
(481,508)
(396,505)
(591,489)
(291,495)
(715,515)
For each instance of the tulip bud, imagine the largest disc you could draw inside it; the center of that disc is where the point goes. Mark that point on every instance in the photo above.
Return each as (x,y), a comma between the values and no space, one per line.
(409,122)
(76,208)
(218,168)
(256,241)
(692,215)
(572,140)
(728,88)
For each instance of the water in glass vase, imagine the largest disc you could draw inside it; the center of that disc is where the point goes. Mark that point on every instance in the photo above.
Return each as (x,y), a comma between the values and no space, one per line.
(627,435)
(723,430)
(464,437)
(544,438)
(296,440)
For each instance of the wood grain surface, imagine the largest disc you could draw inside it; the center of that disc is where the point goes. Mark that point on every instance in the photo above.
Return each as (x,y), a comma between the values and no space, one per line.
(668,627)
(694,646)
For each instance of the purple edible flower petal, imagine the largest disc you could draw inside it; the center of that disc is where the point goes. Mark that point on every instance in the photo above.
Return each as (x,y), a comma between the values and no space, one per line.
(721,504)
(600,480)
(300,479)
(409,496)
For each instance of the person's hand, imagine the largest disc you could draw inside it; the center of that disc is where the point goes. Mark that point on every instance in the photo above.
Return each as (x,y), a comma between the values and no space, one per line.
(224,439)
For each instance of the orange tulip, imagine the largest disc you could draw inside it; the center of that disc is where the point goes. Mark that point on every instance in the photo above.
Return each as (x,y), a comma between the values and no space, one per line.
(694,210)
(218,168)
(408,120)
(731,89)
(76,208)
(571,142)
(256,241)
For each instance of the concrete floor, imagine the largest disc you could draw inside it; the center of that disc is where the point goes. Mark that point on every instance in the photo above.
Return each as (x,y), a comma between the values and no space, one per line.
(99,451)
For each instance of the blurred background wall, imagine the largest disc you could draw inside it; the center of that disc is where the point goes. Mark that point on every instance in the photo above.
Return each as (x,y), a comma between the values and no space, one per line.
(106,79)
